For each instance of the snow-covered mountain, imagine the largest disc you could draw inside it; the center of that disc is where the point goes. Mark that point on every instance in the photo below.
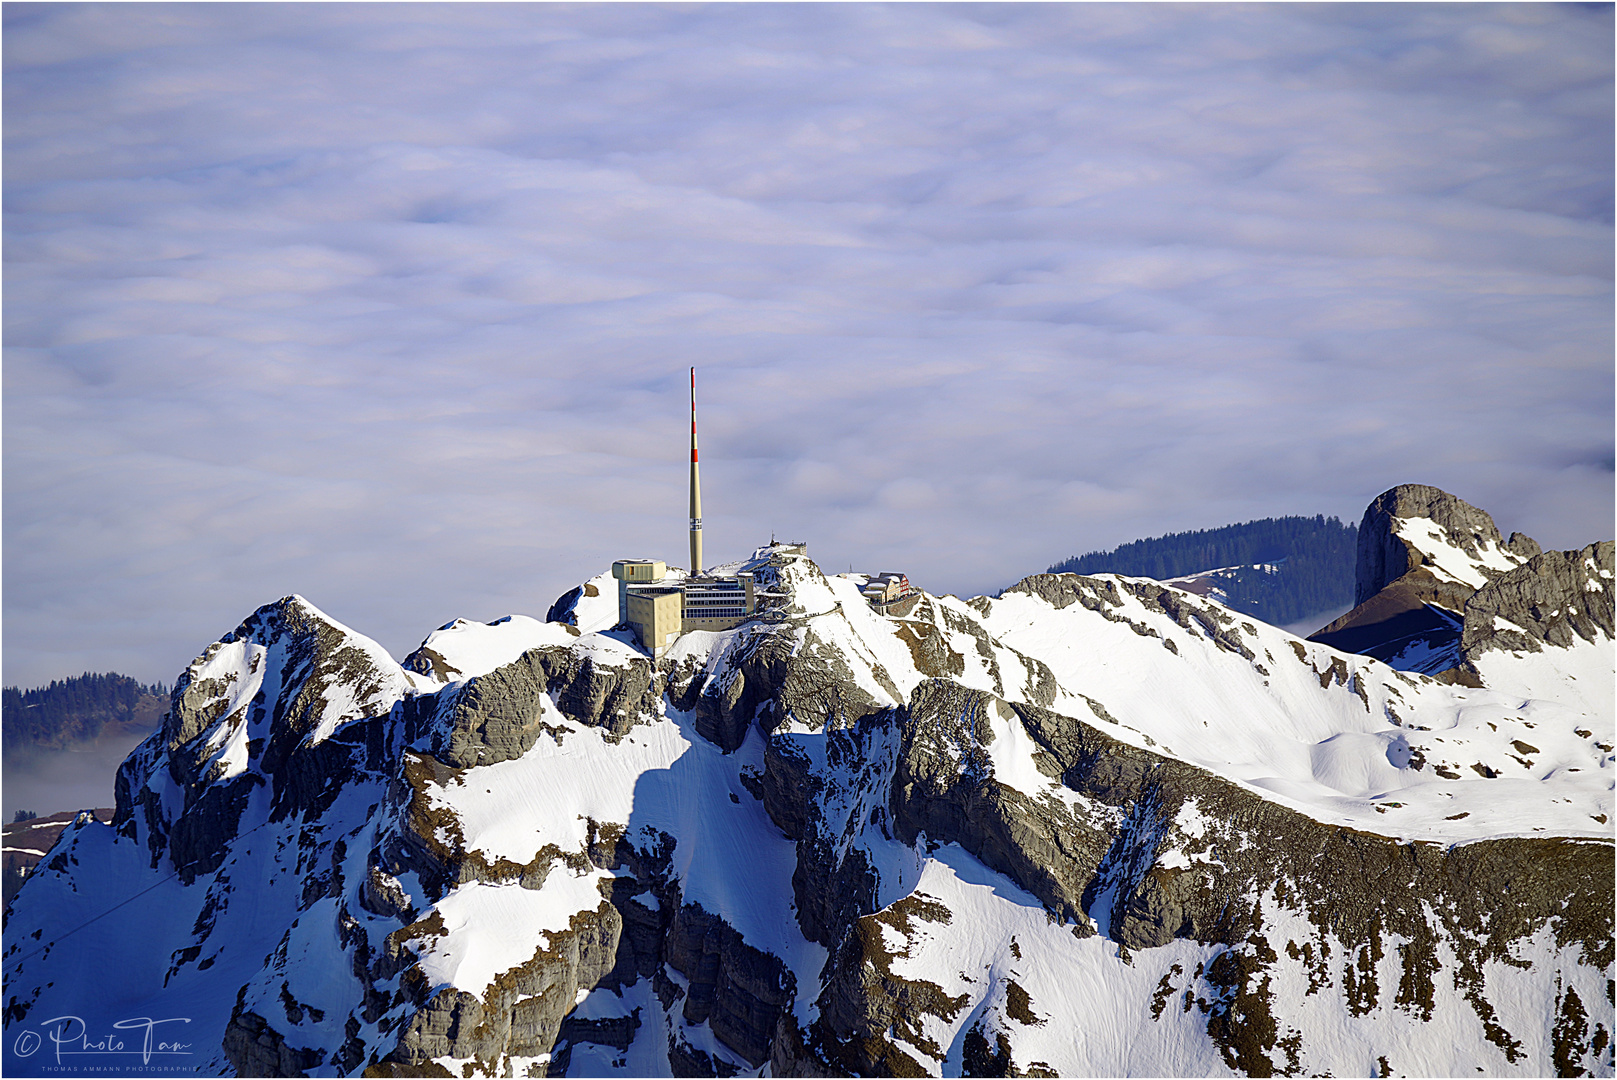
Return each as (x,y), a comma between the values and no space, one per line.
(1094,826)
(1437,584)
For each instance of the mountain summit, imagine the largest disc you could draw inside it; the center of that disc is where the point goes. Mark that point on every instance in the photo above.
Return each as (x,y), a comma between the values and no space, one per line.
(1438,588)
(1413,526)
(1097,825)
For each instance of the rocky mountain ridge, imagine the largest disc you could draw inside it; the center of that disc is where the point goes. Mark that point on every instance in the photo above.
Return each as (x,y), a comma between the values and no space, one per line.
(27,840)
(1389,548)
(1438,587)
(1095,825)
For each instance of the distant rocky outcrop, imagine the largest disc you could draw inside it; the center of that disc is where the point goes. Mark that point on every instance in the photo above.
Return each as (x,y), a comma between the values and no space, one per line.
(1557,598)
(259,709)
(1435,578)
(1386,553)
(496,717)
(27,841)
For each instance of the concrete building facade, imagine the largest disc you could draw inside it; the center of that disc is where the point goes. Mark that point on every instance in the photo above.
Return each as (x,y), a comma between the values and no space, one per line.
(655,612)
(718,603)
(659,609)
(630,572)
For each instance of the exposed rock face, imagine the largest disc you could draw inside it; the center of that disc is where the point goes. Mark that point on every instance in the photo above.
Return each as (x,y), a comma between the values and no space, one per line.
(831,887)
(779,671)
(726,703)
(1415,610)
(257,1049)
(1557,598)
(836,842)
(1354,894)
(865,999)
(1103,596)
(943,787)
(521,1014)
(496,717)
(564,610)
(1385,555)
(252,711)
(737,990)
(1437,586)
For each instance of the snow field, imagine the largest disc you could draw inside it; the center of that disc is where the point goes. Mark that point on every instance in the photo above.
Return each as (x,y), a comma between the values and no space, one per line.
(729,857)
(1066,979)
(1322,749)
(491,928)
(1583,676)
(512,809)
(469,649)
(662,777)
(1451,1042)
(1113,996)
(239,665)
(1011,754)
(647,1055)
(598,613)
(864,639)
(310,965)
(1447,559)
(152,982)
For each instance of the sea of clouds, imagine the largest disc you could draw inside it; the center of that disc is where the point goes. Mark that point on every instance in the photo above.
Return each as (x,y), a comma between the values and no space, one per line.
(392,306)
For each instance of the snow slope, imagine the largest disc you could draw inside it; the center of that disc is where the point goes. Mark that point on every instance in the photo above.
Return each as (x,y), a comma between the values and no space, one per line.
(1446,556)
(1337,736)
(1092,826)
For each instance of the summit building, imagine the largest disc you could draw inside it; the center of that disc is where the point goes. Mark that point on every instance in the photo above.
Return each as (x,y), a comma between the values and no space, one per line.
(659,605)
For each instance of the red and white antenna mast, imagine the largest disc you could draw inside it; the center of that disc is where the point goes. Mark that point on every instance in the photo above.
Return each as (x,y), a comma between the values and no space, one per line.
(696,490)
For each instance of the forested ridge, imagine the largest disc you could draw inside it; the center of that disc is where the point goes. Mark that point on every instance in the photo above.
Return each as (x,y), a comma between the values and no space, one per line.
(76,709)
(1311,559)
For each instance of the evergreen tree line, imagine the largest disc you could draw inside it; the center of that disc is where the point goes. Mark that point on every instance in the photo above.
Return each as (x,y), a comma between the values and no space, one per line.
(1315,558)
(73,710)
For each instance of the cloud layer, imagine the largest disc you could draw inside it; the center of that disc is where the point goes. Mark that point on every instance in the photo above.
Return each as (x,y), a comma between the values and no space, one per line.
(391,306)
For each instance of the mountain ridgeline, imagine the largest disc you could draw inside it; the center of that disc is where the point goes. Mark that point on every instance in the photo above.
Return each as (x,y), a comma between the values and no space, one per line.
(1093,826)
(1277,569)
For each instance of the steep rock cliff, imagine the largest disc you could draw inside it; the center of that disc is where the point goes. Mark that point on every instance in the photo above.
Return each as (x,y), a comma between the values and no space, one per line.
(1095,825)
(1426,559)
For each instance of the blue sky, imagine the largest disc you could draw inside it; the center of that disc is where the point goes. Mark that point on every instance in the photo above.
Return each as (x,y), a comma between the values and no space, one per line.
(391,306)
